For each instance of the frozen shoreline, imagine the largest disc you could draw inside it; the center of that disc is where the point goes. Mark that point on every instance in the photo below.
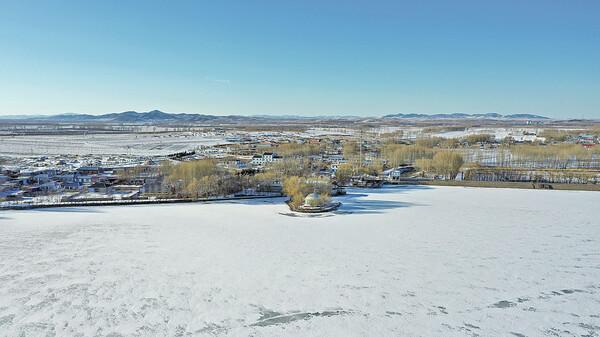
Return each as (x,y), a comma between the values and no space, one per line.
(127,202)
(407,261)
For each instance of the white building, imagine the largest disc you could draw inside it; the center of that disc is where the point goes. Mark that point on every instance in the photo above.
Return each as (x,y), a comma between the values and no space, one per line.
(265,158)
(396,173)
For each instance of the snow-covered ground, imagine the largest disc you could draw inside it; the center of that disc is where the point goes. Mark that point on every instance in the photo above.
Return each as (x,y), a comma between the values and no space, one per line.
(518,134)
(139,144)
(412,261)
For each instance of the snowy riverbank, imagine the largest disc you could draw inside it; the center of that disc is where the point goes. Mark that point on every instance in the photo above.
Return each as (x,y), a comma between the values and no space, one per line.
(406,261)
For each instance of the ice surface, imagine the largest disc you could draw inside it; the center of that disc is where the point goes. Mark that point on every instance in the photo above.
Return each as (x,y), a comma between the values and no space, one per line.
(411,261)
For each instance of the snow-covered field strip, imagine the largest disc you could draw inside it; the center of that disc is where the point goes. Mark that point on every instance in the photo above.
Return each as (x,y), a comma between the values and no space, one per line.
(411,261)
(140,144)
(499,133)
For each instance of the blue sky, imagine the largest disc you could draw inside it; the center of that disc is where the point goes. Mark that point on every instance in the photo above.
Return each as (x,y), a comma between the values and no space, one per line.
(301,57)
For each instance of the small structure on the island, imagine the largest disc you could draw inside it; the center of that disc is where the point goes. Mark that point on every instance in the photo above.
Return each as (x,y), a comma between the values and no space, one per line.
(312,200)
(315,203)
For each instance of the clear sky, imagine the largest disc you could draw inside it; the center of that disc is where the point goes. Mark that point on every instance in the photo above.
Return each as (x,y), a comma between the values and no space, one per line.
(301,57)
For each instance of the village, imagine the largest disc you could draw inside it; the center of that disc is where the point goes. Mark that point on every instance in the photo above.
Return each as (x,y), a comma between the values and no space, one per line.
(245,164)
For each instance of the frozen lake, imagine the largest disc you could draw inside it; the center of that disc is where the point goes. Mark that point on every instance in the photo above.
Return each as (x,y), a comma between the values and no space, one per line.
(413,261)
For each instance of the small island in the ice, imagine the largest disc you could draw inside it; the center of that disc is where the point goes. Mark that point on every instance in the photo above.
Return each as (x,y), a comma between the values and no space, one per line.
(315,203)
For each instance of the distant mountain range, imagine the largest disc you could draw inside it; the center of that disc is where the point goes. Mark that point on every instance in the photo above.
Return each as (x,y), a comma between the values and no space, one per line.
(154,116)
(135,117)
(489,115)
(158,117)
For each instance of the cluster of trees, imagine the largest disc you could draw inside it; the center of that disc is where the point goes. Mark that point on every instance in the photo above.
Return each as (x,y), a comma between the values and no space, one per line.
(129,173)
(550,156)
(478,138)
(298,150)
(200,179)
(425,148)
(204,178)
(430,142)
(527,175)
(355,164)
(452,143)
(436,129)
(431,155)
(443,163)
(561,135)
(281,170)
(286,167)
(398,154)
(556,135)
(560,151)
(392,137)
(350,149)
(346,171)
(440,157)
(297,188)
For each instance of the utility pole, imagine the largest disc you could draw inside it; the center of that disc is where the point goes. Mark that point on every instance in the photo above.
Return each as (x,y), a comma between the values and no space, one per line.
(360,161)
